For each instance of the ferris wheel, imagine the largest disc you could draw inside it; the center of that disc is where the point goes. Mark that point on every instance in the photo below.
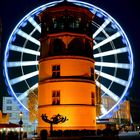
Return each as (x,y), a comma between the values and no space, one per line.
(112,53)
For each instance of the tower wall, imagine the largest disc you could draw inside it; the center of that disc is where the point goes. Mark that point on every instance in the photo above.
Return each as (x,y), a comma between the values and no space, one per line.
(69,66)
(79,117)
(66,67)
(75,85)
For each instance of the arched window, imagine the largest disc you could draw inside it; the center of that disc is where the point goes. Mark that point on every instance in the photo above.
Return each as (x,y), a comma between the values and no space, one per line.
(75,47)
(57,47)
(88,49)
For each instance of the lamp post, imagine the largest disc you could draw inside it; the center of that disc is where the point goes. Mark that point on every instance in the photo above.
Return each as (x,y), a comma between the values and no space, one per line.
(20,123)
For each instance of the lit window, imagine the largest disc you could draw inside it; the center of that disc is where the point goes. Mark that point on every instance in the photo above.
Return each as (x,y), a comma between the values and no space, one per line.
(56,97)
(60,24)
(54,23)
(74,23)
(47,28)
(92,98)
(77,24)
(56,71)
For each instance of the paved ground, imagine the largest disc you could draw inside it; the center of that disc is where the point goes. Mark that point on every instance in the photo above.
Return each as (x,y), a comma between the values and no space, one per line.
(129,136)
(121,136)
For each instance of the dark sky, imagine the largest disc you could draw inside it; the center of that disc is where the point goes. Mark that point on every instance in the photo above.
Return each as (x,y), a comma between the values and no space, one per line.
(126,12)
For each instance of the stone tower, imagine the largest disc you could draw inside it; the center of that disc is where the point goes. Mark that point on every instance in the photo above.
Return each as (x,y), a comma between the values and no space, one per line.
(66,67)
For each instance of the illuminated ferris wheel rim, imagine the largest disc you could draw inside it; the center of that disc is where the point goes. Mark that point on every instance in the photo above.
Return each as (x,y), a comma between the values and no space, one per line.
(94,10)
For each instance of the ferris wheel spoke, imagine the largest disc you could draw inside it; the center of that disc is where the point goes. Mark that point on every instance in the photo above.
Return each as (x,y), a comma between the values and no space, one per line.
(105,41)
(111,52)
(28,37)
(107,91)
(101,28)
(24,50)
(25,94)
(23,77)
(103,110)
(20,63)
(113,65)
(35,24)
(112,78)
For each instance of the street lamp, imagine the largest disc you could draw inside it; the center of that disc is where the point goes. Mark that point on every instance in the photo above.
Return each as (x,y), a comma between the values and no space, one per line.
(20,123)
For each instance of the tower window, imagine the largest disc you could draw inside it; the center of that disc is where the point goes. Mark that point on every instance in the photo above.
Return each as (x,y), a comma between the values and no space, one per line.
(56,97)
(56,71)
(75,47)
(74,23)
(57,47)
(92,98)
(55,24)
(92,73)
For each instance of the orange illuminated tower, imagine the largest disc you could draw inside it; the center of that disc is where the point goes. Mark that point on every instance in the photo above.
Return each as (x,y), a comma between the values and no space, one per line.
(66,67)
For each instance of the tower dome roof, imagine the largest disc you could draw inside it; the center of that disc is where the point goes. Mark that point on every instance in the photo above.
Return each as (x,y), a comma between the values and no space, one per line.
(66,6)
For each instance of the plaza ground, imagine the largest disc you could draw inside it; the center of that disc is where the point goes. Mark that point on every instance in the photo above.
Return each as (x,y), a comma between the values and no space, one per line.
(131,135)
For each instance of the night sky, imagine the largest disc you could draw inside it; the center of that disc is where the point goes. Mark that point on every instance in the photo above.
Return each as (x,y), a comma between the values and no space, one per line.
(125,12)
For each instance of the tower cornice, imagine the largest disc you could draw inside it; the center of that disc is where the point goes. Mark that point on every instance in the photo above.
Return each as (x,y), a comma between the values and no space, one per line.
(66,57)
(67,8)
(61,34)
(68,79)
